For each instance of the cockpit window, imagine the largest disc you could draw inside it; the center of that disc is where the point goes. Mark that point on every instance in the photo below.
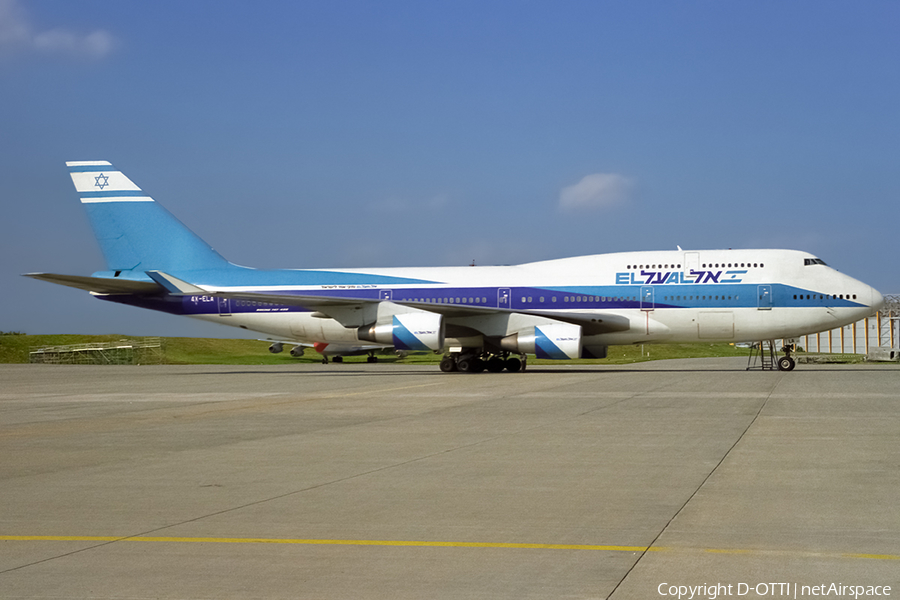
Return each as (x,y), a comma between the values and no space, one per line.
(813,261)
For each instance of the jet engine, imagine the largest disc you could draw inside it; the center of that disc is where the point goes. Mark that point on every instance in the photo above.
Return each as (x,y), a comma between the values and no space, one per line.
(297,351)
(276,347)
(410,331)
(558,341)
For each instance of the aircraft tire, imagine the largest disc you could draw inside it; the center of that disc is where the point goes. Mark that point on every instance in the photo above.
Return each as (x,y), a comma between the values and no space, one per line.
(337,359)
(495,364)
(466,365)
(786,363)
(371,359)
(513,365)
(448,365)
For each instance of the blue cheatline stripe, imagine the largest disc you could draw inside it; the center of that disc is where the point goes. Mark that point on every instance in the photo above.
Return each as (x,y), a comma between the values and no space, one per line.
(92,169)
(544,348)
(112,194)
(404,339)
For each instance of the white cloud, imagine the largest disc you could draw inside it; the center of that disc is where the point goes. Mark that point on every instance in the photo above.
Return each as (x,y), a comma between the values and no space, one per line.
(600,190)
(17,34)
(14,29)
(93,45)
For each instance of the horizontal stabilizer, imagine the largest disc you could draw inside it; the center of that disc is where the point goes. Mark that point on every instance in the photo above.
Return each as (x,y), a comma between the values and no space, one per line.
(99,285)
(176,286)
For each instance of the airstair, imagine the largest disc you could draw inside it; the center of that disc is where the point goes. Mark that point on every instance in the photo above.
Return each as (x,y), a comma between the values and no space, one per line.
(762,356)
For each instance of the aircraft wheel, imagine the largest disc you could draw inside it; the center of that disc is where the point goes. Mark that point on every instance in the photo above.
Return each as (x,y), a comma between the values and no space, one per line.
(448,364)
(786,363)
(513,365)
(495,364)
(337,359)
(466,365)
(371,359)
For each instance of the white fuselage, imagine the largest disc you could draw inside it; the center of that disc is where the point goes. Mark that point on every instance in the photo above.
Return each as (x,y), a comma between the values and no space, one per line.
(662,296)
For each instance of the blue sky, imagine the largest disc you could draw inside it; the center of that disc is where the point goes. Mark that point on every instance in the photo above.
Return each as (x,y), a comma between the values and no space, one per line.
(338,134)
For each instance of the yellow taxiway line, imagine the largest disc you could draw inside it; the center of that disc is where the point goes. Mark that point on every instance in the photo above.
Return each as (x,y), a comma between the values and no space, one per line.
(431,544)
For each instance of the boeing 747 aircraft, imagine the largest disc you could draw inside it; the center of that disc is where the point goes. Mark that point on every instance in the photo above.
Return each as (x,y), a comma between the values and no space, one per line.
(479,317)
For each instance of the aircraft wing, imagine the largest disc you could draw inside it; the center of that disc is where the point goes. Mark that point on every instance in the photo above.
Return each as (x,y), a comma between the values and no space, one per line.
(180,287)
(99,285)
(592,323)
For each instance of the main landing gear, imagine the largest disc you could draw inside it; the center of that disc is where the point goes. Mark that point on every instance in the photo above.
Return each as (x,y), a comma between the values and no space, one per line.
(764,354)
(475,361)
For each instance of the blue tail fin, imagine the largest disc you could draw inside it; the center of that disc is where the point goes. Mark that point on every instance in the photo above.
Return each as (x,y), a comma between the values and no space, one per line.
(134,232)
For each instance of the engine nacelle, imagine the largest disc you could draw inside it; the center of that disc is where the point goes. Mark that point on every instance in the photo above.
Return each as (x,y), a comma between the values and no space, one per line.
(560,341)
(410,331)
(276,347)
(297,351)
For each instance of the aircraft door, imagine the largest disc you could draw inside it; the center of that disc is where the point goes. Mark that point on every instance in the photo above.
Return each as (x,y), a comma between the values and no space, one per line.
(647,297)
(764,294)
(503,295)
(224,305)
(691,262)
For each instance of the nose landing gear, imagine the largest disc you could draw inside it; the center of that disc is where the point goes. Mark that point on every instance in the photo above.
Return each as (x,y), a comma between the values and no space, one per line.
(786,362)
(763,357)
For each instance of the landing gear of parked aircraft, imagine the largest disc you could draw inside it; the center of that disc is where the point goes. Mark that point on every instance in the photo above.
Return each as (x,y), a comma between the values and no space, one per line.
(470,364)
(763,356)
(473,362)
(495,364)
(786,363)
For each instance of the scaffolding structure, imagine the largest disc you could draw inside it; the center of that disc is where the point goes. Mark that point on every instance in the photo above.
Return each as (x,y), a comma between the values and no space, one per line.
(123,352)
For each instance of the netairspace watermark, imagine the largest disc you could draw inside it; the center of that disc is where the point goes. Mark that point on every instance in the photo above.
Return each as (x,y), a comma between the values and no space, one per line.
(712,591)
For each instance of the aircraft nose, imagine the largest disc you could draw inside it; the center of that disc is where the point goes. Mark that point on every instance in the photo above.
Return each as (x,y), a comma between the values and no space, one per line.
(877,300)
